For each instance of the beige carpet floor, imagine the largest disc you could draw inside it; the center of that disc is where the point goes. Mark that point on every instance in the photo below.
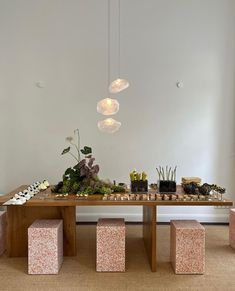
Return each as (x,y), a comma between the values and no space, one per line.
(78,273)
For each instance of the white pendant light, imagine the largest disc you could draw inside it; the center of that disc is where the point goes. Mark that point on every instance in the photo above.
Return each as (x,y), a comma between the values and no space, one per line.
(119,84)
(109,125)
(108,106)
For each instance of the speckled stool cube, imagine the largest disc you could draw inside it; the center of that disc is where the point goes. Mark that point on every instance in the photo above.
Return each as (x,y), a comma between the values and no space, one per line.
(110,245)
(3,231)
(187,247)
(232,228)
(45,246)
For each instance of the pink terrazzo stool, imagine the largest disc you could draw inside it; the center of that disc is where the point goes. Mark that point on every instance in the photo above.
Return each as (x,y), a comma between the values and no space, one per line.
(187,247)
(3,231)
(110,245)
(232,228)
(45,246)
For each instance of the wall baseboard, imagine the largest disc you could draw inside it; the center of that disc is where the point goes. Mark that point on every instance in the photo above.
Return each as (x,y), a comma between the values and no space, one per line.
(93,217)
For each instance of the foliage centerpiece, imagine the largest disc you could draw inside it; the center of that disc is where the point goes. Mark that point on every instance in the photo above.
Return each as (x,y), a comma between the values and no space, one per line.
(83,177)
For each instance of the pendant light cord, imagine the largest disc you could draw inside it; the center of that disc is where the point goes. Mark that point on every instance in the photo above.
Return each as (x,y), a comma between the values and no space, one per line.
(108,45)
(119,37)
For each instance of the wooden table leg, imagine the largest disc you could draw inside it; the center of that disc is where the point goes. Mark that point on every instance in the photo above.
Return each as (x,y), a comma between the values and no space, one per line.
(149,234)
(19,218)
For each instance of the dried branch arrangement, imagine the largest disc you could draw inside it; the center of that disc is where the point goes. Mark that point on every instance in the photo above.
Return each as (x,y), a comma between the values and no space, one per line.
(167,173)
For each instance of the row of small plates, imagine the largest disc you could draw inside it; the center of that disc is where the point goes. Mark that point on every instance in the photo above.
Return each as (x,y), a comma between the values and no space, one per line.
(23,196)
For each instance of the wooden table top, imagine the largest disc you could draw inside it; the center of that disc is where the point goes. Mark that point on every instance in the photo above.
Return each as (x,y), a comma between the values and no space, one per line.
(47,198)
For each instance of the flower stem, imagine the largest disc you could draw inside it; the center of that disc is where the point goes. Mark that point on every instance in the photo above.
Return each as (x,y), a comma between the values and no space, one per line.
(74,156)
(78,146)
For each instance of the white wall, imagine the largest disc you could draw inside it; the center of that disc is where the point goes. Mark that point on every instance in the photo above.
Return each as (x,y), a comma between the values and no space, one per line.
(64,44)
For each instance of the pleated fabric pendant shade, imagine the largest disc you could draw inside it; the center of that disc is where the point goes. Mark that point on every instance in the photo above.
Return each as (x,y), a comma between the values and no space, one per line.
(108,106)
(109,125)
(118,85)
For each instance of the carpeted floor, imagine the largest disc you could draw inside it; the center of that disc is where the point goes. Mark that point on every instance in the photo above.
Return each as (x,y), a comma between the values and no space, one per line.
(78,273)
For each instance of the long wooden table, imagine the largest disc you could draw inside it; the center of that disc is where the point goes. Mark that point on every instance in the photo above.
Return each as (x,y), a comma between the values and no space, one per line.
(45,206)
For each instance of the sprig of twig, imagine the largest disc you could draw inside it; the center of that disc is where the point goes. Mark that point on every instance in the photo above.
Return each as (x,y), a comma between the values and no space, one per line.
(166,174)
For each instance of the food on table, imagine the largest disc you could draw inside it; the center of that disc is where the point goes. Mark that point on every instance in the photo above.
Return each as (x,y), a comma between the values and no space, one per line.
(159,197)
(131,196)
(203,190)
(190,188)
(81,196)
(42,186)
(166,197)
(153,186)
(173,197)
(46,183)
(202,197)
(144,197)
(137,197)
(188,180)
(152,196)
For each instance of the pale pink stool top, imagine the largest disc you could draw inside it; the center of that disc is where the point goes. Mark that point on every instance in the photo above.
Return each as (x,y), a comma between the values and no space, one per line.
(109,222)
(46,223)
(187,224)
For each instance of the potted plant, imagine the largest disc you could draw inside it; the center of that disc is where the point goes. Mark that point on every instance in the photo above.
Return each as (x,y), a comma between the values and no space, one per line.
(139,182)
(166,179)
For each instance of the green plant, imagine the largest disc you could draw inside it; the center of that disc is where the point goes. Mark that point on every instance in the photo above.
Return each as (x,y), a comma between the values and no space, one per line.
(135,176)
(103,190)
(118,188)
(75,142)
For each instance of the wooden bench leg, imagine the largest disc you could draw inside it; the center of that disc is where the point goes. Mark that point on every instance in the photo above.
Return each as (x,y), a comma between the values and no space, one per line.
(149,234)
(19,218)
